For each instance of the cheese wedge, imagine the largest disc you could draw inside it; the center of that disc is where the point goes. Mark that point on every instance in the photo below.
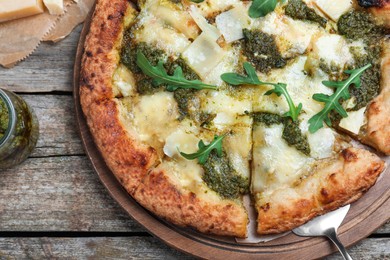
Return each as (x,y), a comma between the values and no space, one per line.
(55,7)
(14,9)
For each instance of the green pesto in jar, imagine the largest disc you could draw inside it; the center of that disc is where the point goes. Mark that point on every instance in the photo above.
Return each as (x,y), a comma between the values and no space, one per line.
(261,50)
(292,134)
(220,176)
(299,10)
(4,118)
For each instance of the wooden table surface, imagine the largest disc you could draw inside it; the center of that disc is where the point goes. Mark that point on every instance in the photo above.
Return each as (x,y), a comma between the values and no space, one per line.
(53,205)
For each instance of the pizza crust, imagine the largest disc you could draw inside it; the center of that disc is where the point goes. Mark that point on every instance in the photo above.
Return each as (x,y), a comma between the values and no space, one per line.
(159,194)
(128,158)
(377,131)
(333,183)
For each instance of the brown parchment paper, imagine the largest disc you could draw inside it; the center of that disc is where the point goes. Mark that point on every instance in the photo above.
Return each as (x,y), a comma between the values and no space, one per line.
(19,38)
(75,14)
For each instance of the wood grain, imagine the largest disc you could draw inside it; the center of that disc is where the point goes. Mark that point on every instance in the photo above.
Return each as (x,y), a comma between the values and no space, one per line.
(58,131)
(59,194)
(49,68)
(136,248)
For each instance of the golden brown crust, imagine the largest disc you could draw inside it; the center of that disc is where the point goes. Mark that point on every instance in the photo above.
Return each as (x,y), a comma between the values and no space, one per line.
(382,12)
(377,131)
(158,194)
(334,183)
(126,157)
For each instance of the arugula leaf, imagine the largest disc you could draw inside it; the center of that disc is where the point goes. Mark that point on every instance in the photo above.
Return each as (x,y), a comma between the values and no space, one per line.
(332,102)
(253,79)
(160,76)
(281,89)
(260,8)
(237,79)
(205,150)
(197,1)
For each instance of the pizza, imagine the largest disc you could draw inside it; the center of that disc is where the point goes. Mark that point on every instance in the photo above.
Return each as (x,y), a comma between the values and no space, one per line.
(196,104)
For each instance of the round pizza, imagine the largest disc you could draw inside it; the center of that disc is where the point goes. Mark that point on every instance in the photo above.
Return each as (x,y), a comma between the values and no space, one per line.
(196,104)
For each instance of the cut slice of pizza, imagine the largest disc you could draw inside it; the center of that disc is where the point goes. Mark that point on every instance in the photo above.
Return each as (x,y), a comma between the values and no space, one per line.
(301,167)
(193,105)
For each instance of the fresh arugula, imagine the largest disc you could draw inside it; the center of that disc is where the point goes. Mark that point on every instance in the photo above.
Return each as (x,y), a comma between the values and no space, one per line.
(281,89)
(252,79)
(197,1)
(160,76)
(204,150)
(332,102)
(236,79)
(260,8)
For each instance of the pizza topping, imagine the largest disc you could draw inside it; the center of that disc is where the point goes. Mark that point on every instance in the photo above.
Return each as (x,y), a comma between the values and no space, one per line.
(334,9)
(206,28)
(297,9)
(205,150)
(204,54)
(260,8)
(354,121)
(357,25)
(332,102)
(281,89)
(370,79)
(231,23)
(292,134)
(160,76)
(262,51)
(130,49)
(221,177)
(252,79)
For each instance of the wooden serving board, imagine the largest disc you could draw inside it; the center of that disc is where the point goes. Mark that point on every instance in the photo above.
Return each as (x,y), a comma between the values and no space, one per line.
(364,217)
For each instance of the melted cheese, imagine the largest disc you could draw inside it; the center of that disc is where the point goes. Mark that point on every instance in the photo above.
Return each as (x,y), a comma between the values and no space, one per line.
(174,17)
(155,117)
(292,36)
(300,86)
(124,81)
(275,163)
(184,139)
(333,50)
(156,33)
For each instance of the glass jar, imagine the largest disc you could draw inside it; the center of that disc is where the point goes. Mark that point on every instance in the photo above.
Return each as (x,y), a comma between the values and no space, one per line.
(19,129)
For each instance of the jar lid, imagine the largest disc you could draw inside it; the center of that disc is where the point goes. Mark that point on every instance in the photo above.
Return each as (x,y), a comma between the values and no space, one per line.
(11,116)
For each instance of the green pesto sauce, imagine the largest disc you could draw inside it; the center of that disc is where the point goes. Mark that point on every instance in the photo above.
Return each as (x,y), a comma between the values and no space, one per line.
(262,51)
(292,134)
(4,118)
(220,176)
(298,10)
(357,25)
(370,79)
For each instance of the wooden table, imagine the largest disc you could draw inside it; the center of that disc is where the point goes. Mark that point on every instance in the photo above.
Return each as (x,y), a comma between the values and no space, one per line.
(53,205)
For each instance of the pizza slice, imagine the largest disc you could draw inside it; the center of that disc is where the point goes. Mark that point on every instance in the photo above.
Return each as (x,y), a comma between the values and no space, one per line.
(301,167)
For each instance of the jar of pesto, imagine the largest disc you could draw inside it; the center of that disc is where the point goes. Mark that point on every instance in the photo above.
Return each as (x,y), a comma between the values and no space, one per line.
(19,129)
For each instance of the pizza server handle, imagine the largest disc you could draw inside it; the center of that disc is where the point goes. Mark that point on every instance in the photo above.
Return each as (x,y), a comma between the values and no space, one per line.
(331,234)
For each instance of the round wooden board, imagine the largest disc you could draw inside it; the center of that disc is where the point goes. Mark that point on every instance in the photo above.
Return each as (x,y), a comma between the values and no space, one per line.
(364,217)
